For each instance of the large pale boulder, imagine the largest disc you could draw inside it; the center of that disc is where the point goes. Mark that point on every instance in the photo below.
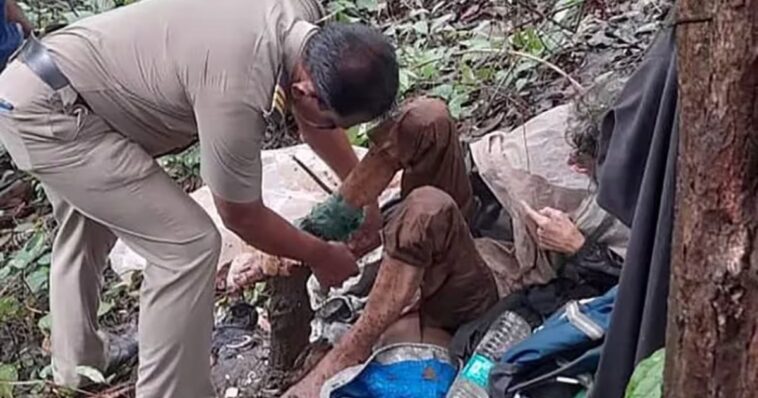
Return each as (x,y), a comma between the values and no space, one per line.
(287,189)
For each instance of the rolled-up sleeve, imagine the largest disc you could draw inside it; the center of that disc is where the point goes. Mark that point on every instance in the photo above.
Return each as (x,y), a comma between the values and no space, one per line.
(230,133)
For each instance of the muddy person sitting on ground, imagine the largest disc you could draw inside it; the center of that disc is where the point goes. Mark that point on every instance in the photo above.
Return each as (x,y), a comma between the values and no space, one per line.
(432,278)
(430,261)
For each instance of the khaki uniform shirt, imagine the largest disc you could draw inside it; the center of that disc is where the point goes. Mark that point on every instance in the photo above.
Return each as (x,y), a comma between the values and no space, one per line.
(168,72)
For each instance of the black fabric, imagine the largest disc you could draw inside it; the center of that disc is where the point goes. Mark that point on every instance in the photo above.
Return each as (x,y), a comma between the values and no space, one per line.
(506,387)
(596,264)
(636,184)
(489,218)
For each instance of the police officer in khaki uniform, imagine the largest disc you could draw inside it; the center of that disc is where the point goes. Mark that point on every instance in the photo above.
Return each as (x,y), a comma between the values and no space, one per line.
(88,109)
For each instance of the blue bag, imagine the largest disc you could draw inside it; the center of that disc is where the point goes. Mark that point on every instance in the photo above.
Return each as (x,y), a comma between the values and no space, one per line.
(560,358)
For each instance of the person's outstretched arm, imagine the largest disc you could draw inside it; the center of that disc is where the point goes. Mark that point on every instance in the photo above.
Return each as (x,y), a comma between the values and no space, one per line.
(394,289)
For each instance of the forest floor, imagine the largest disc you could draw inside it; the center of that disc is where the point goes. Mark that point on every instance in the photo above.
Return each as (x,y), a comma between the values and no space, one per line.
(496,62)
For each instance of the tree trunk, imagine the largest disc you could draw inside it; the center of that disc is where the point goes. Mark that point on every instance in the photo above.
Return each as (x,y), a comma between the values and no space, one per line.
(290,315)
(712,342)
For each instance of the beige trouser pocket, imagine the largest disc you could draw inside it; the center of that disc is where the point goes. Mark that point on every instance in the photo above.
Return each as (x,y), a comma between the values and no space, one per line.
(104,186)
(36,118)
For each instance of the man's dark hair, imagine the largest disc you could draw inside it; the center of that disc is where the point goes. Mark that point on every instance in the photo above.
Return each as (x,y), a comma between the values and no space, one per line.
(353,68)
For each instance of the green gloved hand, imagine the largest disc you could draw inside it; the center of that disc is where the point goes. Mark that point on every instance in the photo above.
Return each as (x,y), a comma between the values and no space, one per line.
(332,220)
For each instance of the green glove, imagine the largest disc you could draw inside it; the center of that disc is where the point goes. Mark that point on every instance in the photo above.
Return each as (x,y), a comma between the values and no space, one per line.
(332,220)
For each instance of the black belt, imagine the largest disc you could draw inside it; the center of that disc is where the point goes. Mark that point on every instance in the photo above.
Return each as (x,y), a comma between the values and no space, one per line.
(36,56)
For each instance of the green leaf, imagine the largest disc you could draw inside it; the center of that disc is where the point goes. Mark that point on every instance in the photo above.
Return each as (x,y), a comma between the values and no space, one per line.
(105,307)
(9,308)
(521,83)
(428,63)
(647,380)
(37,279)
(5,272)
(456,104)
(33,248)
(45,259)
(444,91)
(91,373)
(528,40)
(485,74)
(367,5)
(407,80)
(442,21)
(468,76)
(421,27)
(8,373)
(477,43)
(46,372)
(45,323)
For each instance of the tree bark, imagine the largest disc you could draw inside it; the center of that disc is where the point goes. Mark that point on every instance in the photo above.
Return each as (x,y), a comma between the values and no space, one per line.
(290,315)
(712,342)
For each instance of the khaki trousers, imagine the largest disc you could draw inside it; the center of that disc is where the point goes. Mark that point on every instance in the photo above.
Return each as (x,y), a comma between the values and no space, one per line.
(103,187)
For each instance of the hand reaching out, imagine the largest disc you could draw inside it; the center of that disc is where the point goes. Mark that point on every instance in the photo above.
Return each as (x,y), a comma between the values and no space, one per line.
(334,265)
(555,230)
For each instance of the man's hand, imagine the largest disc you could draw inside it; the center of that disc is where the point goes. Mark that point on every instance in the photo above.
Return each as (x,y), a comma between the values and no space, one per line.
(250,268)
(555,230)
(334,265)
(267,231)
(367,237)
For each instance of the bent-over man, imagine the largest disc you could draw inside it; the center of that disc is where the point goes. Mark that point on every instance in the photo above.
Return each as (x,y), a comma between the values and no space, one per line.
(87,110)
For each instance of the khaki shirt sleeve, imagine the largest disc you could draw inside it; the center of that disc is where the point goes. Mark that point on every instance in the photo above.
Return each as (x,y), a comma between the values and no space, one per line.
(231,133)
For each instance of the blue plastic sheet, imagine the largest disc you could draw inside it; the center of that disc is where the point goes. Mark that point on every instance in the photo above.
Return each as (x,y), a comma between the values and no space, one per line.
(406,379)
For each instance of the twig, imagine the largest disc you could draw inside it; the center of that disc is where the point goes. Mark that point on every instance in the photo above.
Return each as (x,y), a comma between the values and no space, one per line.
(313,175)
(34,310)
(552,66)
(550,14)
(116,391)
(45,383)
(539,13)
(24,383)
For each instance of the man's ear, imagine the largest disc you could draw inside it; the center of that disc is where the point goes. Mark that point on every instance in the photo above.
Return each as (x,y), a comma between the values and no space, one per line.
(303,89)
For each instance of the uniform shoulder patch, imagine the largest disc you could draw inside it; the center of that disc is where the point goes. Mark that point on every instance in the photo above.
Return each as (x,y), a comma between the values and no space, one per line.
(277,113)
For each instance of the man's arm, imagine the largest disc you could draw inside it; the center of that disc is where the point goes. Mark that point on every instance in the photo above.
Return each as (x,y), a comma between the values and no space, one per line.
(394,289)
(262,228)
(16,14)
(230,135)
(333,147)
